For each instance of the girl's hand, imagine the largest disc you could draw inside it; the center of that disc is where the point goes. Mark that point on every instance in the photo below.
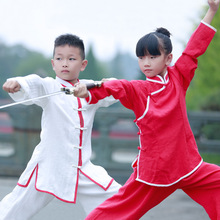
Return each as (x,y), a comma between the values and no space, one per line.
(213,8)
(213,5)
(80,90)
(11,86)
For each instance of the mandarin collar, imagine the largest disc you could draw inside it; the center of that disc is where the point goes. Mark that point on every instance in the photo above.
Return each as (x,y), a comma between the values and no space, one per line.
(64,82)
(159,79)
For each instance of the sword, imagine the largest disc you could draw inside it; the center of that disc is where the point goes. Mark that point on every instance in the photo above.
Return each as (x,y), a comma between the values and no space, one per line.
(66,90)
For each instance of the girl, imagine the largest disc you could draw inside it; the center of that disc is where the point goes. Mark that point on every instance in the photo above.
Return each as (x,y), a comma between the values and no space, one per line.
(168,156)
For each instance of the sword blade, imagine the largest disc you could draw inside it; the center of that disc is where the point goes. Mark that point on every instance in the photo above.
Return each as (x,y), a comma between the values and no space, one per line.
(29,100)
(66,90)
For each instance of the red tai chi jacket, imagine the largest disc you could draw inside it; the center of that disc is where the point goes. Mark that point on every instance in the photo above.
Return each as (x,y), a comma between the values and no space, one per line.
(168,151)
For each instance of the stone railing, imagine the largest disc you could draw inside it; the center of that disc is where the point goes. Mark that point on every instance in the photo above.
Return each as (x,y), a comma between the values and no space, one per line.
(16,147)
(114,139)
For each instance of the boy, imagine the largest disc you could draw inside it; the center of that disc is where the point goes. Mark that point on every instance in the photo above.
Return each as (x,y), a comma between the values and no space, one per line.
(60,165)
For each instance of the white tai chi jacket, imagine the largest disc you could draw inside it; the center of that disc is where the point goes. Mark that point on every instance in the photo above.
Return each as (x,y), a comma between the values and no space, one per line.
(65,146)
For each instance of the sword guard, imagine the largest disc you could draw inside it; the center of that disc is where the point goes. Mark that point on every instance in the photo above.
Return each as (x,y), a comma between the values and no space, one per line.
(68,90)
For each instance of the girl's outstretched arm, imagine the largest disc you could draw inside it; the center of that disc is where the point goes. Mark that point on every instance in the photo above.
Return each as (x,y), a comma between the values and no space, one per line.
(213,8)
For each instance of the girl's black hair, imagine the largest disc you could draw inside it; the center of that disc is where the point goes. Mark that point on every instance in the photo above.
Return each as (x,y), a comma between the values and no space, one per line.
(71,40)
(155,42)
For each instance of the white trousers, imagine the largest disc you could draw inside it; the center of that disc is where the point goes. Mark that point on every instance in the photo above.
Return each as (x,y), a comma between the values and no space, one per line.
(24,202)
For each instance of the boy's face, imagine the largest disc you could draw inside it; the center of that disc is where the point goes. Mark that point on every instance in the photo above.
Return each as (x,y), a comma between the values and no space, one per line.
(67,63)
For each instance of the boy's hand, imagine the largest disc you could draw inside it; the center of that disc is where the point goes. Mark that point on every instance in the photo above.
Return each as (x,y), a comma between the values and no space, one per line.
(11,86)
(80,90)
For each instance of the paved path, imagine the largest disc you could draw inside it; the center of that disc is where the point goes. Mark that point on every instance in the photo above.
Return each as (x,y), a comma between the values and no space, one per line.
(177,207)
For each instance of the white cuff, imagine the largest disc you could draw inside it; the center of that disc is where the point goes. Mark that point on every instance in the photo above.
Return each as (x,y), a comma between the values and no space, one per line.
(90,97)
(209,25)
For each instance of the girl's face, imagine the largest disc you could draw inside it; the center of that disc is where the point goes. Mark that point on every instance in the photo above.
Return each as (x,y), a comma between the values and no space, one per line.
(68,63)
(152,65)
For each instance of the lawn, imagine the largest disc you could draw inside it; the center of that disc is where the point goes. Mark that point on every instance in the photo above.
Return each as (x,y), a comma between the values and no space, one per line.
(211,158)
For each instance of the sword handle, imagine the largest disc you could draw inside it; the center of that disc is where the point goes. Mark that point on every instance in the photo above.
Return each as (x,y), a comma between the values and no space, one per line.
(93,84)
(70,90)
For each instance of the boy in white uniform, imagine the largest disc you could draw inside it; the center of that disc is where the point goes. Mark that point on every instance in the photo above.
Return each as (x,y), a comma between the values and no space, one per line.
(60,165)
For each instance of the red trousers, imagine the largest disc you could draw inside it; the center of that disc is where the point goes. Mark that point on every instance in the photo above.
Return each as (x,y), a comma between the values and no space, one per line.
(135,199)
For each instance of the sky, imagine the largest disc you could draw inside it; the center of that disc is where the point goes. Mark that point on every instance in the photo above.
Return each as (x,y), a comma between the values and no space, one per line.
(110,26)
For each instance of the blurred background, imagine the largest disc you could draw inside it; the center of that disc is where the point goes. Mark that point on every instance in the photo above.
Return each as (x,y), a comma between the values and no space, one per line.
(110,31)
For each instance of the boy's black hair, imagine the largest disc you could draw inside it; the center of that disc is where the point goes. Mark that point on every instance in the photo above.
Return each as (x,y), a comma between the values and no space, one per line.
(71,40)
(153,43)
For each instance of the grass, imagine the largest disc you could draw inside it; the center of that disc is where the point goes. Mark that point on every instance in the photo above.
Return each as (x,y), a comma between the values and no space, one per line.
(211,158)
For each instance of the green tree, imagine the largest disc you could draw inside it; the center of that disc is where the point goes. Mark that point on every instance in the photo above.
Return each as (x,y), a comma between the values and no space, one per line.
(35,63)
(95,69)
(116,66)
(10,57)
(141,76)
(123,66)
(19,61)
(207,77)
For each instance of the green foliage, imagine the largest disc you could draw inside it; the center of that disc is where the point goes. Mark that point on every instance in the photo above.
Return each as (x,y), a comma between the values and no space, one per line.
(141,76)
(123,66)
(211,102)
(10,57)
(117,66)
(211,131)
(95,70)
(207,78)
(19,61)
(211,158)
(35,63)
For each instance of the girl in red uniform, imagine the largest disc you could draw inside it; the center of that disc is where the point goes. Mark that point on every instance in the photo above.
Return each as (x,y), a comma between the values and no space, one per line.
(168,155)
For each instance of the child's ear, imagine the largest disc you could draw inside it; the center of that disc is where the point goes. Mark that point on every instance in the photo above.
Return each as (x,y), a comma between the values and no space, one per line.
(84,64)
(52,62)
(169,59)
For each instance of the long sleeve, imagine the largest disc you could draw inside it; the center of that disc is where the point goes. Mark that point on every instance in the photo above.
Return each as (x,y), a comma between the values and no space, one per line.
(196,46)
(122,90)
